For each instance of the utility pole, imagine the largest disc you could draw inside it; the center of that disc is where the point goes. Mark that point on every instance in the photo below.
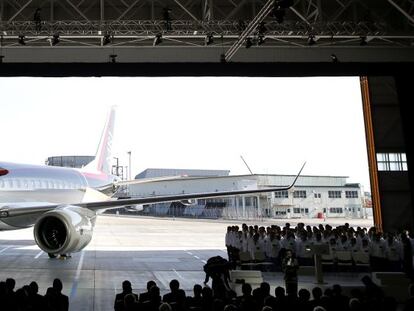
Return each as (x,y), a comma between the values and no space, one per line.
(117,166)
(129,163)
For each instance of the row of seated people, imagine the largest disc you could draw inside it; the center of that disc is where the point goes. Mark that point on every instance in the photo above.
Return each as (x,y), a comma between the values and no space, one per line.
(368,297)
(27,297)
(382,251)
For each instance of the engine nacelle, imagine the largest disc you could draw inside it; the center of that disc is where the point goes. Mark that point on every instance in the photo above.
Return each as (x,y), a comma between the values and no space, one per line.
(64,230)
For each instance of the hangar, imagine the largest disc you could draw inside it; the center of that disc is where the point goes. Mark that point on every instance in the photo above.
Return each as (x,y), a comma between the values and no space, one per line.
(371,39)
(312,196)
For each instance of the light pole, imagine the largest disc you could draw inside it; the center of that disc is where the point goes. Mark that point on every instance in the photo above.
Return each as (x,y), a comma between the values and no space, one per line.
(117,166)
(129,163)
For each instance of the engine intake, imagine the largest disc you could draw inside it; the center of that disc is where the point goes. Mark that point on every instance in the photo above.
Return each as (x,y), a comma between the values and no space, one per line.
(67,229)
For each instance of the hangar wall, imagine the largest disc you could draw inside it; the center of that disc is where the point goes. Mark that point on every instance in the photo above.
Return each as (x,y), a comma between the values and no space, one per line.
(388,116)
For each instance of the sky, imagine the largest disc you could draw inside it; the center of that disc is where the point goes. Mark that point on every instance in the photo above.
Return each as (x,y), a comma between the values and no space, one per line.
(191,122)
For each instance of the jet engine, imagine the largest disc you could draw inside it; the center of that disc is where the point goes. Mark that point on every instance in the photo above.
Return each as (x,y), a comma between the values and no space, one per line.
(64,230)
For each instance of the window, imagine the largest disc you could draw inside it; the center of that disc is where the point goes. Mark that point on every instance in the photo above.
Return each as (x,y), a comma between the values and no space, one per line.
(351,194)
(317,195)
(296,210)
(392,161)
(282,194)
(299,194)
(304,210)
(335,210)
(334,194)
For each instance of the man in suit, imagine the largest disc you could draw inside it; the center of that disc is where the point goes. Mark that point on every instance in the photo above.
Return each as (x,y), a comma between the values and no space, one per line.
(119,298)
(62,300)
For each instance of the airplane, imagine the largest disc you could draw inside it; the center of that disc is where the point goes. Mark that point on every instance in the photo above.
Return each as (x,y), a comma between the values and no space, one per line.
(62,203)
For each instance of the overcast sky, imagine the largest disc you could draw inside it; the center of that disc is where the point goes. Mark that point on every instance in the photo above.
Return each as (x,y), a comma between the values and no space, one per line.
(201,123)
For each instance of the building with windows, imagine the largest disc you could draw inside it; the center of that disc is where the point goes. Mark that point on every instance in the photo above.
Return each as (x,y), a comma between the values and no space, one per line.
(69,161)
(311,197)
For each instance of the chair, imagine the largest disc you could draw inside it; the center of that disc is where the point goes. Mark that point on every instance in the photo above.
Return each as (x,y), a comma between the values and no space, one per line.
(328,260)
(361,259)
(259,256)
(344,258)
(245,257)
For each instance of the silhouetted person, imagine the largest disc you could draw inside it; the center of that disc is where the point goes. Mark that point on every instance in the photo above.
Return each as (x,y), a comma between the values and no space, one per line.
(119,298)
(409,304)
(176,295)
(130,302)
(10,301)
(341,301)
(146,296)
(38,19)
(165,307)
(207,299)
(22,298)
(50,299)
(155,300)
(62,301)
(246,300)
(317,294)
(407,261)
(196,301)
(290,268)
(36,301)
(303,300)
(280,299)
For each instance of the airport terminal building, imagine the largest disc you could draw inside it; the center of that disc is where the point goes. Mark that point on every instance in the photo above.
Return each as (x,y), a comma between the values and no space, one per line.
(312,196)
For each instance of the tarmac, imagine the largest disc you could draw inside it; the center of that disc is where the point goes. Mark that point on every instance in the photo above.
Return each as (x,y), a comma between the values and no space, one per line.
(138,249)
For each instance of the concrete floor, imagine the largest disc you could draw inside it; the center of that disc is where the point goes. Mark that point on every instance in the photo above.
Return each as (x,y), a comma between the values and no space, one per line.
(137,249)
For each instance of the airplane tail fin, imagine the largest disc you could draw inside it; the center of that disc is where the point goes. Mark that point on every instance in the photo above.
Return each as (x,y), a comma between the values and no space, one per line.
(102,161)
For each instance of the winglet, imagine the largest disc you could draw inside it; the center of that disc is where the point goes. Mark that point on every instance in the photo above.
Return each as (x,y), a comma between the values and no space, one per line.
(297,176)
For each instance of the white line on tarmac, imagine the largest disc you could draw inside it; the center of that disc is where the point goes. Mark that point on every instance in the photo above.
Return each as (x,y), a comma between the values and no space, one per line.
(179,275)
(203,261)
(189,253)
(196,257)
(76,280)
(4,249)
(38,255)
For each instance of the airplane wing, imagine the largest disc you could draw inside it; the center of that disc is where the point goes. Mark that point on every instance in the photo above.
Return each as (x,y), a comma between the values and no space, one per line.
(146,180)
(9,211)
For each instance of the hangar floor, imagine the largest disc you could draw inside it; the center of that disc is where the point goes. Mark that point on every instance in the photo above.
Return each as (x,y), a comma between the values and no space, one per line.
(137,249)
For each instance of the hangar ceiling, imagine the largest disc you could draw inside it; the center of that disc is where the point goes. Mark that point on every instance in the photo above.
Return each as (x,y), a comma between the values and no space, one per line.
(206,30)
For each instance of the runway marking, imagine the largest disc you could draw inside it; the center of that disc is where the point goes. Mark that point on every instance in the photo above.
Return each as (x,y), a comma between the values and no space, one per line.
(76,280)
(189,253)
(196,257)
(38,255)
(203,261)
(179,275)
(5,249)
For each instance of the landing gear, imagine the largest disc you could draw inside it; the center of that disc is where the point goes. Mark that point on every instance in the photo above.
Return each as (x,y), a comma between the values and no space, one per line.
(65,256)
(52,256)
(60,256)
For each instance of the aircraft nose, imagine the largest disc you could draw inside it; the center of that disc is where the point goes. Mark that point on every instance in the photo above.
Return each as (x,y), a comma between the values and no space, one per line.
(3,171)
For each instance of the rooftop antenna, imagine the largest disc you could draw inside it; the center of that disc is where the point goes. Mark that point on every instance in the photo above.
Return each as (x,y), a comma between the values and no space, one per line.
(246,165)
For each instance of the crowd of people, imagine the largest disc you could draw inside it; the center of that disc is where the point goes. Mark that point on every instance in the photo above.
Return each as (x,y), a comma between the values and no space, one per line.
(287,246)
(369,297)
(205,298)
(386,251)
(27,298)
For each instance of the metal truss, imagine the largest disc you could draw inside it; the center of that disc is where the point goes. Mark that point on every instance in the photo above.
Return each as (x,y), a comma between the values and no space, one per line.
(205,23)
(191,33)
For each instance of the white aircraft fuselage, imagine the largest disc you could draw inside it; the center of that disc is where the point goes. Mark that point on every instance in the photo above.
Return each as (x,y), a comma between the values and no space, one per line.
(22,184)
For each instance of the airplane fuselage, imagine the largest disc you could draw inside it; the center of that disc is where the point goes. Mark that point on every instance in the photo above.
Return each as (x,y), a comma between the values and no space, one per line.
(47,184)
